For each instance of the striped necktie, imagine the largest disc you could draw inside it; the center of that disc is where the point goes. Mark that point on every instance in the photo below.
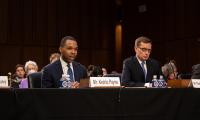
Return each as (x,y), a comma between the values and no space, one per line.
(70,73)
(144,70)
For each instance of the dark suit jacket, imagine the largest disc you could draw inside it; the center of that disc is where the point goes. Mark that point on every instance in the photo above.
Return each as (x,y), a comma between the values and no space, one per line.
(53,72)
(132,73)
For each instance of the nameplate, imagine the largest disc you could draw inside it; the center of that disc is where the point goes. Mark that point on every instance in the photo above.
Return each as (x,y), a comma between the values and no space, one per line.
(148,85)
(3,81)
(196,83)
(104,82)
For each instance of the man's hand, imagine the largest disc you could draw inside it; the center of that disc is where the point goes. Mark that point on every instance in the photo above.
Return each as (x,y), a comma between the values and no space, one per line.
(75,85)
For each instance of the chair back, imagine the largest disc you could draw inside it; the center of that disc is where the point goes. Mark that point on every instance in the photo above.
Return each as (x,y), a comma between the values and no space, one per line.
(34,80)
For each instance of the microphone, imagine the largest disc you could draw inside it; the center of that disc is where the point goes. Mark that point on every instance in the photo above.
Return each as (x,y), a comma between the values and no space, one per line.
(10,79)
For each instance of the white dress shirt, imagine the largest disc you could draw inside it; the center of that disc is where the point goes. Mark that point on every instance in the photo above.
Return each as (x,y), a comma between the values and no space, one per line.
(65,68)
(145,65)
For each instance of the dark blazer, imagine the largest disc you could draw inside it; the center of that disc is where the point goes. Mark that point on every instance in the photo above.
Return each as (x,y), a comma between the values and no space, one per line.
(132,73)
(53,72)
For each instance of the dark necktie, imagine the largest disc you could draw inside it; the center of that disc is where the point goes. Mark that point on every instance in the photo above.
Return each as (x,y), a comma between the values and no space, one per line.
(144,70)
(70,73)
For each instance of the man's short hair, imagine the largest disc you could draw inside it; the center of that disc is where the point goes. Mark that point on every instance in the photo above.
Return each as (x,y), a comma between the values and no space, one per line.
(19,65)
(53,56)
(64,39)
(142,39)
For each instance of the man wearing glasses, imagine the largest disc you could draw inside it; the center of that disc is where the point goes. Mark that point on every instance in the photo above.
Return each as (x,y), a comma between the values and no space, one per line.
(139,69)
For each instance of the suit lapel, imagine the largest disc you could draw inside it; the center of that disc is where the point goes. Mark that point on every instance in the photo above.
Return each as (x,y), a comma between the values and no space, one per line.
(149,70)
(140,70)
(59,69)
(138,65)
(76,71)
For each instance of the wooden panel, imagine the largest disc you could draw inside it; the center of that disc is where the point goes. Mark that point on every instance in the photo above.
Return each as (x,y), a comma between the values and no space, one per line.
(41,22)
(52,9)
(28,21)
(34,53)
(10,56)
(84,57)
(178,51)
(102,58)
(193,54)
(168,21)
(171,24)
(158,52)
(3,20)
(15,22)
(183,83)
(36,27)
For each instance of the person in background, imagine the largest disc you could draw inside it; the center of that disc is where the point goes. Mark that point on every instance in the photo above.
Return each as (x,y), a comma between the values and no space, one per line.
(195,71)
(139,69)
(30,67)
(53,57)
(18,76)
(64,68)
(169,70)
(104,71)
(94,71)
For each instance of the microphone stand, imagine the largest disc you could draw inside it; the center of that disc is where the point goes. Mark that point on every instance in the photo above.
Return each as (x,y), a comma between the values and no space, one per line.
(10,79)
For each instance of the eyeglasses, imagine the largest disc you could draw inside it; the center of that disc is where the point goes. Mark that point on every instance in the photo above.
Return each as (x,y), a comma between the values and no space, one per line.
(145,50)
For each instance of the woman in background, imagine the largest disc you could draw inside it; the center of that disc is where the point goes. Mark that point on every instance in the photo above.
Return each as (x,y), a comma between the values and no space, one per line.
(30,67)
(170,70)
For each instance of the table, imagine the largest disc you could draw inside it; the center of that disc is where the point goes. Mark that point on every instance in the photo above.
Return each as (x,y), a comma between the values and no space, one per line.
(101,104)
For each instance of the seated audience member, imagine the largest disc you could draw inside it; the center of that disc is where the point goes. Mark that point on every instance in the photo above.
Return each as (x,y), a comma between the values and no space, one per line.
(104,71)
(53,74)
(196,71)
(30,67)
(94,71)
(139,69)
(170,70)
(53,57)
(18,76)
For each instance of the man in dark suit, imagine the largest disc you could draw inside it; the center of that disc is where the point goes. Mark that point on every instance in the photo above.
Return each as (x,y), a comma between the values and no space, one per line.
(139,69)
(65,66)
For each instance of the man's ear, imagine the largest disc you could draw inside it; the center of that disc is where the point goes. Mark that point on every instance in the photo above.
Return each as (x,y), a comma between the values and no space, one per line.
(60,49)
(135,49)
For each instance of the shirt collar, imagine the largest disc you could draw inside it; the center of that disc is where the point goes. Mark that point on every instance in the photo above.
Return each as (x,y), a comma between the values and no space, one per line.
(140,60)
(64,63)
